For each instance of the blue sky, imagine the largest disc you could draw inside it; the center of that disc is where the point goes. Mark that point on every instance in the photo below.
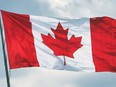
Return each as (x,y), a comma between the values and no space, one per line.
(39,77)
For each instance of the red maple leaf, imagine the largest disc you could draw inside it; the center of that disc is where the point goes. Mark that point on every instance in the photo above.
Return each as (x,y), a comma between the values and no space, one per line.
(61,45)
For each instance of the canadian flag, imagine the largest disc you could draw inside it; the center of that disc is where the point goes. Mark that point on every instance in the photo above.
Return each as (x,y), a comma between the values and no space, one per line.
(85,44)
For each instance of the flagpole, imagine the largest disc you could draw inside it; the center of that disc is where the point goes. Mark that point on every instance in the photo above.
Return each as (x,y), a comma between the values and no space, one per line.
(5,57)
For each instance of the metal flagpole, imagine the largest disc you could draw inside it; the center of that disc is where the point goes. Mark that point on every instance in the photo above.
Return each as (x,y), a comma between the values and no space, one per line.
(5,57)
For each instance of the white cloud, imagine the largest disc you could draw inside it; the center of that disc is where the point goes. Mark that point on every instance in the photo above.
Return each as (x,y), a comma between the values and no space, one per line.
(42,77)
(82,8)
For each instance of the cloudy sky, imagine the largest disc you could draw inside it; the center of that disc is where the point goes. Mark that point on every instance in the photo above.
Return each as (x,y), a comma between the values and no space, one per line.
(39,77)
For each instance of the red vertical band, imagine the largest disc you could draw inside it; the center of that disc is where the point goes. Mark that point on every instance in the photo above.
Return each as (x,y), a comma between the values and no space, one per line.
(103,35)
(19,40)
